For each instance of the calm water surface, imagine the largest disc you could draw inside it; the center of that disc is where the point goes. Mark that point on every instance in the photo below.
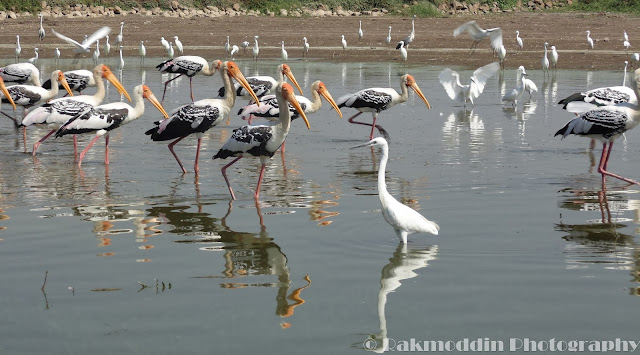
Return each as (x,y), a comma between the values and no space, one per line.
(142,259)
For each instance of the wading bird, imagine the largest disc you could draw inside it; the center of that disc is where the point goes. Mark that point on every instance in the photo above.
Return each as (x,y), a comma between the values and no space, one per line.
(18,48)
(263,85)
(344,44)
(375,100)
(554,57)
(450,80)
(142,51)
(283,53)
(269,109)
(412,35)
(305,47)
(519,40)
(78,80)
(388,39)
(188,65)
(605,124)
(164,44)
(261,141)
(107,46)
(404,219)
(21,73)
(34,59)
(545,60)
(178,45)
(58,111)
(514,95)
(56,55)
(85,46)
(403,52)
(200,116)
(360,33)
(105,118)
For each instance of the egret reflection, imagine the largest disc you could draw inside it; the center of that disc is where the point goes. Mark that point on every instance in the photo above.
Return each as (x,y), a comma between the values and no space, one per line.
(402,266)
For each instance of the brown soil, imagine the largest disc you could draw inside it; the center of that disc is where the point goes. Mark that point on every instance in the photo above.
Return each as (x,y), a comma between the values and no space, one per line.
(434,43)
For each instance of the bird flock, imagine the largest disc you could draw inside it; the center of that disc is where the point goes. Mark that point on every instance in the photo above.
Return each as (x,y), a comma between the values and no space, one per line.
(602,114)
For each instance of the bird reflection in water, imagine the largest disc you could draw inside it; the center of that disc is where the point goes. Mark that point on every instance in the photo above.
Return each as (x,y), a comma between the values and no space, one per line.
(402,266)
(601,241)
(248,254)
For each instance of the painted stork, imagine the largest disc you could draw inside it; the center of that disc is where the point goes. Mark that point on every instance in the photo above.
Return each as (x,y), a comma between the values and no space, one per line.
(477,34)
(78,80)
(200,116)
(41,32)
(29,95)
(104,118)
(270,110)
(261,141)
(375,100)
(59,111)
(404,219)
(605,96)
(450,80)
(605,124)
(412,35)
(21,73)
(263,85)
(188,65)
(85,46)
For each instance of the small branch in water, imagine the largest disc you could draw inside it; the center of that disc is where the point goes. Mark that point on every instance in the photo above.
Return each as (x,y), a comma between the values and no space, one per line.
(46,273)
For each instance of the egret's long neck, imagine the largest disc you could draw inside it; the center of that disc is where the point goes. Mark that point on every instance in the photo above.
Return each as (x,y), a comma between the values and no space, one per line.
(382,185)
(413,25)
(229,91)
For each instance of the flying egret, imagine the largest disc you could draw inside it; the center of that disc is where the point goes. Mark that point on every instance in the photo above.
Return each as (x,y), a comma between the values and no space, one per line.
(404,219)
(85,45)
(477,34)
(450,80)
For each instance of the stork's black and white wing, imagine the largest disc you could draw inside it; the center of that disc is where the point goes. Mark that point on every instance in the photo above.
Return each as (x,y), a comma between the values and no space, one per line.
(185,120)
(261,85)
(248,139)
(19,73)
(606,122)
(187,65)
(95,119)
(375,99)
(605,96)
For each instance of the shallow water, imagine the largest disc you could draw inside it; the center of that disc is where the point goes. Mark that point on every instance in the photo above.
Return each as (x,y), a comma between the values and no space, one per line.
(142,259)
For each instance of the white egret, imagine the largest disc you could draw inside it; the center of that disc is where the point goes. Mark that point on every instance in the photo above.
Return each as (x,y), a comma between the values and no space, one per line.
(121,63)
(170,51)
(142,51)
(227,46)
(18,48)
(519,40)
(403,52)
(34,59)
(164,44)
(234,50)
(411,36)
(589,39)
(450,80)
(85,45)
(107,47)
(404,219)
(244,45)
(41,32)
(514,95)
(388,39)
(120,36)
(178,45)
(96,53)
(256,50)
(545,60)
(360,33)
(344,44)
(283,52)
(477,33)
(305,47)
(56,55)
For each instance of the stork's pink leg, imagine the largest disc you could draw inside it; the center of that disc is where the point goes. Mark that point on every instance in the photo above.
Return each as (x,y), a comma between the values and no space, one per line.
(106,149)
(165,87)
(373,125)
(93,141)
(37,144)
(224,174)
(257,194)
(75,146)
(380,129)
(604,158)
(191,87)
(195,167)
(184,171)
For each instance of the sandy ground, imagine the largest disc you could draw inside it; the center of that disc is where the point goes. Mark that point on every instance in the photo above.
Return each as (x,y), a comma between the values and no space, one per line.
(434,43)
